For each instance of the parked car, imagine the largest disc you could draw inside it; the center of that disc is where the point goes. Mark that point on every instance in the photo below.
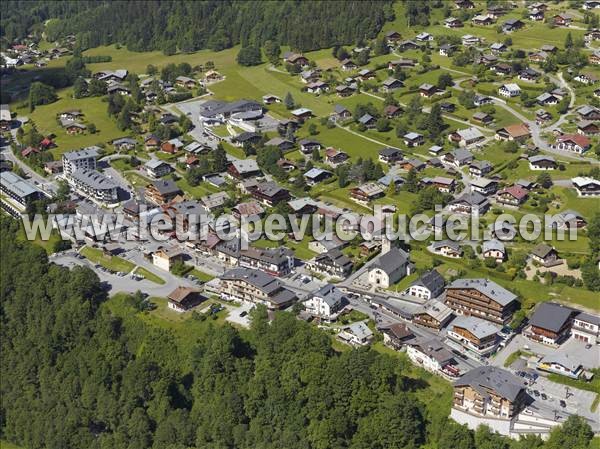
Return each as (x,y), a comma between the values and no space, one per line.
(563,403)
(544,397)
(536,393)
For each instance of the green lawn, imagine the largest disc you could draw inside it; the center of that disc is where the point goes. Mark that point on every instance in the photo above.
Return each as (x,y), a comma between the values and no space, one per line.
(149,275)
(201,275)
(198,191)
(94,110)
(6,445)
(114,263)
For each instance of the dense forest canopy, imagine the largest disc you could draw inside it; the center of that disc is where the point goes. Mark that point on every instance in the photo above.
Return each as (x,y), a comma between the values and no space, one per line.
(194,25)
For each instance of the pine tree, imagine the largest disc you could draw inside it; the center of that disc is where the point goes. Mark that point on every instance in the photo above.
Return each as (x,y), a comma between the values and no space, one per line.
(412,181)
(289,101)
(435,121)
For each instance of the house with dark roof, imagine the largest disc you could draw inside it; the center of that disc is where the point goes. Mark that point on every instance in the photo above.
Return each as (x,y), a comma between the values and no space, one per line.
(429,285)
(249,285)
(388,268)
(550,323)
(183,299)
(544,254)
(470,203)
(396,335)
(483,299)
(162,191)
(487,392)
(326,303)
(270,193)
(542,162)
(331,263)
(390,155)
(433,356)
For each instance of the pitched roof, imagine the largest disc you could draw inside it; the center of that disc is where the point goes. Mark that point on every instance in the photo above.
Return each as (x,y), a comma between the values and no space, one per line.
(479,328)
(487,287)
(502,382)
(391,261)
(551,316)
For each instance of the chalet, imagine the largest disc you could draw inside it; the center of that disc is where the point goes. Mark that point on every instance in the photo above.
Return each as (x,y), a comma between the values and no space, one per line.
(509,90)
(586,186)
(427,90)
(168,147)
(483,299)
(496,10)
(108,75)
(464,4)
(477,169)
(446,248)
(544,254)
(317,87)
(512,196)
(542,162)
(575,143)
(588,128)
(303,206)
(308,146)
(186,82)
(432,355)
(331,263)
(248,210)
(119,89)
(429,285)
(529,75)
(436,150)
(124,144)
(562,20)
(165,258)
(433,314)
(586,78)
(270,193)
(270,99)
(470,203)
(151,142)
(568,219)
(391,84)
(396,335)
(480,100)
(536,15)
(295,59)
(482,117)
(413,139)
(29,151)
(281,143)
(388,268)
(249,285)
(591,36)
(498,48)
(591,4)
(586,328)
(335,157)
(550,324)
(549,48)
(343,90)
(156,168)
(538,5)
(468,40)
(244,169)
(413,164)
(489,393)
(503,69)
(447,49)
(512,25)
(542,116)
(589,112)
(316,175)
(341,112)
(424,37)
(458,158)
(392,111)
(73,127)
(447,107)
(393,36)
(475,335)
(327,303)
(348,65)
(594,58)
(5,118)
(301,114)
(488,60)
(184,298)
(367,121)
(246,138)
(366,192)
(546,99)
(366,74)
(483,20)
(452,22)
(441,183)
(402,63)
(390,155)
(466,137)
(52,167)
(493,249)
(484,186)
(73,114)
(356,334)
(407,45)
(538,56)
(518,132)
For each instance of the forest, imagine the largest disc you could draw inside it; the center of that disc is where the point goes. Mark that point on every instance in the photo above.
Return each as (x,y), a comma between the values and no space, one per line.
(188,26)
(75,375)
